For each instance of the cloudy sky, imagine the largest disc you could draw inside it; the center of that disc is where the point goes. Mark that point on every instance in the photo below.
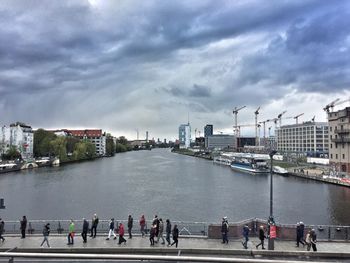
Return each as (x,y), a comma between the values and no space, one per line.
(147,65)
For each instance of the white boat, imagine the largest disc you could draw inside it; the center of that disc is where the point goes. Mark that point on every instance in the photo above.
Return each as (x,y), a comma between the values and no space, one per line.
(251,163)
(223,160)
(279,170)
(9,167)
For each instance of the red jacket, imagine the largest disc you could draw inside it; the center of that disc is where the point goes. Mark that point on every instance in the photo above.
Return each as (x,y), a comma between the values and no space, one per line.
(121,230)
(142,221)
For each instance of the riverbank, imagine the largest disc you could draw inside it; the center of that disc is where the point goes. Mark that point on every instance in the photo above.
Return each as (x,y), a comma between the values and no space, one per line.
(203,155)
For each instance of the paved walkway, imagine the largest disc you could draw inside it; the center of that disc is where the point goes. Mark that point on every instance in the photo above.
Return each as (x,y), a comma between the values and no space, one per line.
(60,241)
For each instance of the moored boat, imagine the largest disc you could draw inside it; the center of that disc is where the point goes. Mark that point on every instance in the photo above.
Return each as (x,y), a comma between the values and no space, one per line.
(9,167)
(279,170)
(251,163)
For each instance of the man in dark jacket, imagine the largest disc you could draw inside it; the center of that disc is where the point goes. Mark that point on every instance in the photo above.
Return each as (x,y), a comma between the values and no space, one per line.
(94,224)
(246,236)
(2,228)
(130,225)
(261,237)
(85,230)
(23,226)
(224,230)
(168,231)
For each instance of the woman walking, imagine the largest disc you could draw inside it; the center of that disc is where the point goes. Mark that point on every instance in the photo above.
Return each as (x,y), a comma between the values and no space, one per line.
(143,225)
(121,234)
(160,232)
(152,234)
(168,231)
(46,232)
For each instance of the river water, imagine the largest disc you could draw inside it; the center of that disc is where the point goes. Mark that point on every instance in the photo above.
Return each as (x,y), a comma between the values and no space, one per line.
(173,186)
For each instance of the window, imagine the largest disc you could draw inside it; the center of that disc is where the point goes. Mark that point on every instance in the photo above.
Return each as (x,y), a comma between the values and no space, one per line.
(343,156)
(336,156)
(331,155)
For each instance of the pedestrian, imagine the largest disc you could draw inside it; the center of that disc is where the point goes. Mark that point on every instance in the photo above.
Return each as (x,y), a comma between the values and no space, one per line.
(152,234)
(160,231)
(2,229)
(23,226)
(156,222)
(224,230)
(261,237)
(168,231)
(130,225)
(298,234)
(46,233)
(111,229)
(302,228)
(246,236)
(313,240)
(85,230)
(143,225)
(121,234)
(308,241)
(71,233)
(175,236)
(94,224)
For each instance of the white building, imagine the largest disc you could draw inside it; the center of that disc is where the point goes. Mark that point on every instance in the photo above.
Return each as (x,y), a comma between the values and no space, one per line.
(185,135)
(309,138)
(19,135)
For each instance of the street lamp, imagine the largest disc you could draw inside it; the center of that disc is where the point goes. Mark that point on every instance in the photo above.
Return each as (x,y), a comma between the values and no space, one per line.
(271,222)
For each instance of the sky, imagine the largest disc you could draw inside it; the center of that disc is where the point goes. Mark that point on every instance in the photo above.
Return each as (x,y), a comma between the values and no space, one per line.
(124,66)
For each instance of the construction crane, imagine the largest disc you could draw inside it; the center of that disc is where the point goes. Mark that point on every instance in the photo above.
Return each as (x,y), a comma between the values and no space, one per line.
(280,117)
(313,118)
(297,117)
(235,113)
(330,105)
(264,124)
(256,126)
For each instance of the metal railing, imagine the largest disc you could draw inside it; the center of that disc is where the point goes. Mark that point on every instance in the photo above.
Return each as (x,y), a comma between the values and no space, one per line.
(162,258)
(61,227)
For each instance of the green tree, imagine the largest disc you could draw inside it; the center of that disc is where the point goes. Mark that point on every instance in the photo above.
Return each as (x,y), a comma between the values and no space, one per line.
(58,147)
(90,150)
(120,148)
(110,146)
(122,140)
(84,150)
(12,153)
(71,142)
(41,145)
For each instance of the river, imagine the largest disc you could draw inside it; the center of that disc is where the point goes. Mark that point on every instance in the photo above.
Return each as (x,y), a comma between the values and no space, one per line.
(173,186)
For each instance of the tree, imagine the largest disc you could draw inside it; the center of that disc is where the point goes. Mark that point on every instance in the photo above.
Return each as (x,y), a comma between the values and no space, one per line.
(110,146)
(122,140)
(58,147)
(12,153)
(71,142)
(42,139)
(120,148)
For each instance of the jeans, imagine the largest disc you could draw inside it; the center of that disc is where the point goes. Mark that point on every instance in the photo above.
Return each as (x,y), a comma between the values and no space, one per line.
(121,239)
(160,236)
(46,239)
(224,237)
(71,238)
(84,235)
(93,231)
(168,238)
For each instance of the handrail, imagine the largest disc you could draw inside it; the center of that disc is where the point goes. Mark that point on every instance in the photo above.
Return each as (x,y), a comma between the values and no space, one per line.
(139,257)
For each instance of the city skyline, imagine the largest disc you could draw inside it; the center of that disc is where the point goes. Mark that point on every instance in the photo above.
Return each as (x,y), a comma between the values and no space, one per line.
(128,65)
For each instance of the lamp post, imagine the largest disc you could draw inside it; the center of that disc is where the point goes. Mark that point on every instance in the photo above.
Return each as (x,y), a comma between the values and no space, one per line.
(271,222)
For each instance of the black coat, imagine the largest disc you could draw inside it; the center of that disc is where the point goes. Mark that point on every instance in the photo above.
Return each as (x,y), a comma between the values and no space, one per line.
(175,233)
(261,234)
(224,227)
(168,228)
(24,224)
(85,226)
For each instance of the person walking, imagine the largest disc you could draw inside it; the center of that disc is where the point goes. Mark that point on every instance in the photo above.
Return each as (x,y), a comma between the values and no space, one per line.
(130,225)
(143,225)
(246,236)
(85,230)
(175,236)
(313,240)
(156,223)
(121,234)
(168,231)
(46,233)
(298,234)
(261,237)
(308,241)
(152,234)
(224,230)
(2,229)
(71,233)
(94,223)
(111,229)
(160,231)
(23,226)
(302,228)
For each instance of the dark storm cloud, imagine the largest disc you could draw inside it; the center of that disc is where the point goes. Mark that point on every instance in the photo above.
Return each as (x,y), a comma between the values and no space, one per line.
(207,56)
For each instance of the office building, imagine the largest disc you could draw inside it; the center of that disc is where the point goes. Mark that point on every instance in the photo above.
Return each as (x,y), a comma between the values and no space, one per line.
(308,138)
(220,142)
(185,135)
(208,130)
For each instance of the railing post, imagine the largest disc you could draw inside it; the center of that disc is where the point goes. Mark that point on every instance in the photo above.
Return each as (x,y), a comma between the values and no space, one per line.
(329,233)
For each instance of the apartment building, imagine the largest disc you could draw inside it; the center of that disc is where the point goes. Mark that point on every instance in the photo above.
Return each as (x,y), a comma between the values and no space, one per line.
(19,135)
(339,136)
